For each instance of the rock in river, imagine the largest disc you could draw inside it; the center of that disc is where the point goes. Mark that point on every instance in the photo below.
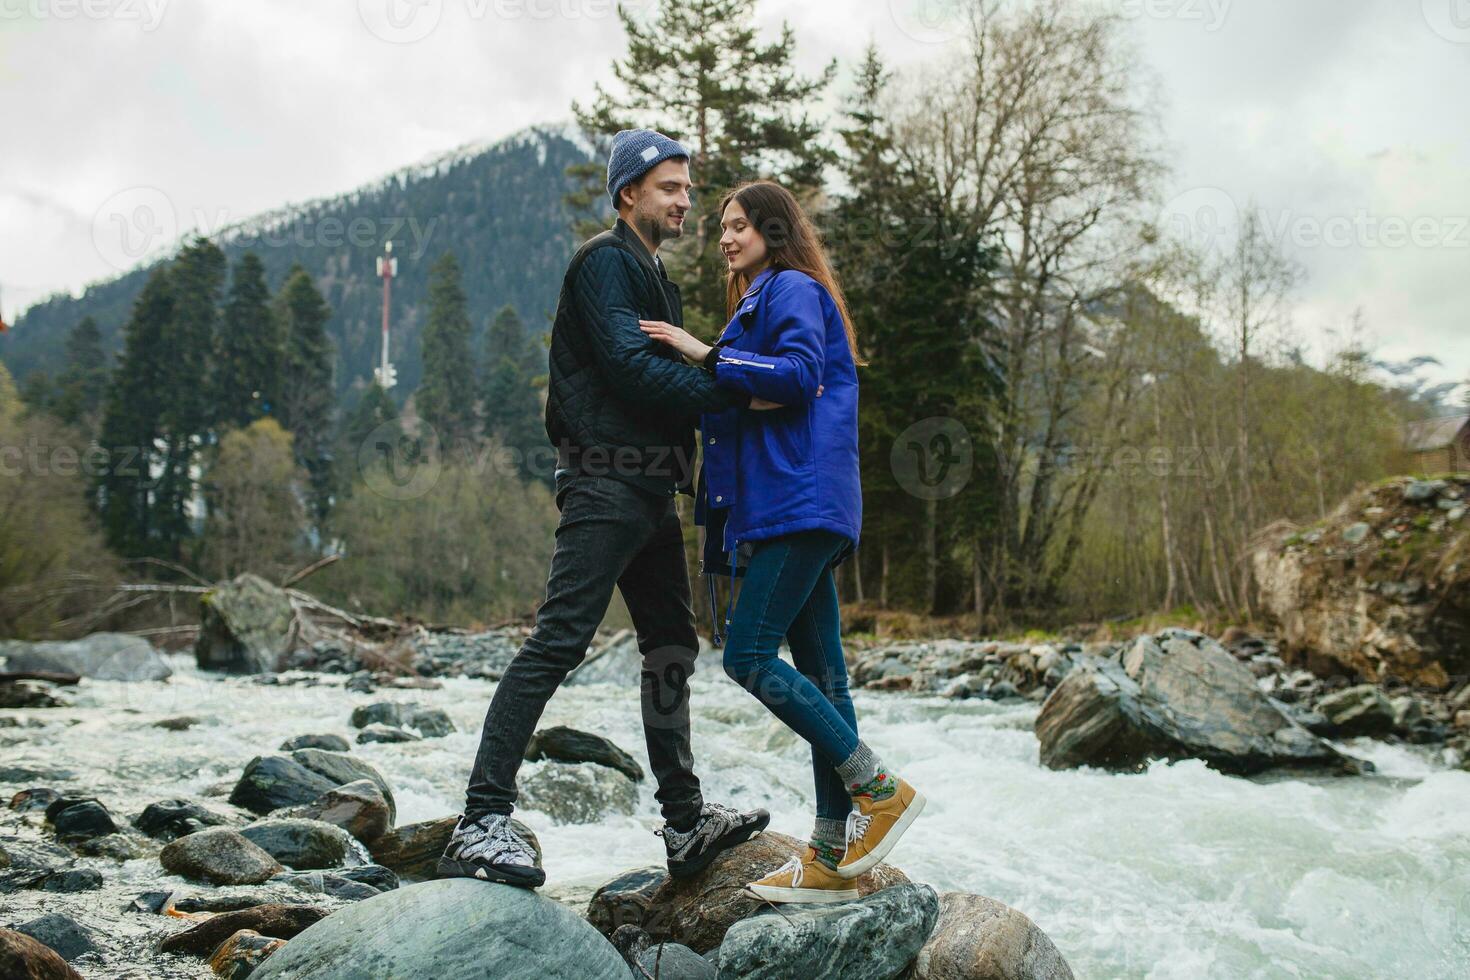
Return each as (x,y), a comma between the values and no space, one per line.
(305,845)
(978,937)
(340,769)
(570,745)
(357,807)
(331,743)
(696,911)
(872,938)
(220,856)
(584,793)
(1178,695)
(76,819)
(273,781)
(245,625)
(450,928)
(1360,710)
(278,921)
(23,958)
(100,656)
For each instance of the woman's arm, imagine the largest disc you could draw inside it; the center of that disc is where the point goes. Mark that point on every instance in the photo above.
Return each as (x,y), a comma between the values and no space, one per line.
(792,373)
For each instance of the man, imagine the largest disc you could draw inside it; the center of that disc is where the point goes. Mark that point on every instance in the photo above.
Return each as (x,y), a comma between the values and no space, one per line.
(621,410)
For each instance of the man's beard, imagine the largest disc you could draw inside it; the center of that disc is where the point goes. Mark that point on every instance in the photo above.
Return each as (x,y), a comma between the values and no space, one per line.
(658,231)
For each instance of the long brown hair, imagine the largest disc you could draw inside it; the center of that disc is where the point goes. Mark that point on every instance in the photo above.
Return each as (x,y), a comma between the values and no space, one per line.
(792,242)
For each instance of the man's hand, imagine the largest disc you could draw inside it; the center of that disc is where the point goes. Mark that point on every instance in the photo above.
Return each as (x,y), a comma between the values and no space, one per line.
(676,337)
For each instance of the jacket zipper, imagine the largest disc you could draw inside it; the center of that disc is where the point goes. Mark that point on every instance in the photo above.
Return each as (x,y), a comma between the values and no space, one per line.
(737,360)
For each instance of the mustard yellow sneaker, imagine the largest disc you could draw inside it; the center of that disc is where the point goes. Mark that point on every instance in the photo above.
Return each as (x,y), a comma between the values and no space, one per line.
(874,826)
(802,879)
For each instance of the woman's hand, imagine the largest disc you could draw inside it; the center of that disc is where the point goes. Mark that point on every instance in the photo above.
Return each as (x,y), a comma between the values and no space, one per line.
(676,337)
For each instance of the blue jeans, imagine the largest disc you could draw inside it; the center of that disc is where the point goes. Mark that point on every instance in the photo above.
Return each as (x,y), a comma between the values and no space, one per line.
(789,591)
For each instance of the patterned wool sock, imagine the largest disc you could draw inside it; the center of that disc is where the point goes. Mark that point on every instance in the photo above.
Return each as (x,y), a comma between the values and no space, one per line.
(828,840)
(865,775)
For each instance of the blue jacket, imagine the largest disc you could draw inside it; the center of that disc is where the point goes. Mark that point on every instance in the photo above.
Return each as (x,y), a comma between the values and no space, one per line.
(768,473)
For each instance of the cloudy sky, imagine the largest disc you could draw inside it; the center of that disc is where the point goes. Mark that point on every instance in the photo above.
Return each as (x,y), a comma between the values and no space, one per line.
(1343,121)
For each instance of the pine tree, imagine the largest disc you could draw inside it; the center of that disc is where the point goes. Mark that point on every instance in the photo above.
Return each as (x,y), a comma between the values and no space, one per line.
(513,412)
(83,383)
(446,397)
(307,398)
(186,351)
(39,393)
(367,420)
(698,73)
(914,274)
(251,349)
(132,422)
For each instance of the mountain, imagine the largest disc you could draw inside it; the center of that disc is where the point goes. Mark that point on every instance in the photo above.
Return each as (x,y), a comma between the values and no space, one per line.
(499,207)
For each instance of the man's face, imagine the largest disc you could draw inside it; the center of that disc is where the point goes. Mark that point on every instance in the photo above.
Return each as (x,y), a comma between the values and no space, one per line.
(660,200)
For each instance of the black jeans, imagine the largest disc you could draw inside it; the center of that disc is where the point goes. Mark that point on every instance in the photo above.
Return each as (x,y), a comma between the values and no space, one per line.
(611,533)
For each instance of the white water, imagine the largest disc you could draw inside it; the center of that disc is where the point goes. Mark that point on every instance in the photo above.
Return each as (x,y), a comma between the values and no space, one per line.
(1179,872)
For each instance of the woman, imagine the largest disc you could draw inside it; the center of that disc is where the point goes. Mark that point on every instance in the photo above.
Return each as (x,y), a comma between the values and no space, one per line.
(780,498)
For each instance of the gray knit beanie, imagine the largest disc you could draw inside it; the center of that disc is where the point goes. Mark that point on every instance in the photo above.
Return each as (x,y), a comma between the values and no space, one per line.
(634,153)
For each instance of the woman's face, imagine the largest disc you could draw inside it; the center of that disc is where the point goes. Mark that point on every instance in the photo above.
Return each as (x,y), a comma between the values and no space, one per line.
(743,246)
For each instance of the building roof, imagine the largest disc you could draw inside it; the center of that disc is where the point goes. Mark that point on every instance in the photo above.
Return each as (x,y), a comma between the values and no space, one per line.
(1430,435)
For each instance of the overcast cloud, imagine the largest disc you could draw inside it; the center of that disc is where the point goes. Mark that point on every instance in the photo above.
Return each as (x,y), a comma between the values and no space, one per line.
(1343,120)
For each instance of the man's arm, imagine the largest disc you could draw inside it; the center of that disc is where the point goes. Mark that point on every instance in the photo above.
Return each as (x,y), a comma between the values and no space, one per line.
(603,296)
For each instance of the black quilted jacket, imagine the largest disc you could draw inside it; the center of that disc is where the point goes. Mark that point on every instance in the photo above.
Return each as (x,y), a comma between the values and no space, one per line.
(618,402)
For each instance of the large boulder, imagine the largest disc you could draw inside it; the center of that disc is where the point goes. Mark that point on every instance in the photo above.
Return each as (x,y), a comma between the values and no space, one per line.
(872,938)
(357,807)
(305,845)
(23,958)
(270,782)
(340,769)
(413,850)
(100,656)
(697,911)
(978,938)
(450,928)
(245,626)
(584,793)
(220,856)
(279,921)
(1380,588)
(1177,695)
(570,745)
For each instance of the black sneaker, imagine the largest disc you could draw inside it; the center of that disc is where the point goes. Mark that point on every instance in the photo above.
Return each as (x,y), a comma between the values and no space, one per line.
(719,828)
(489,849)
